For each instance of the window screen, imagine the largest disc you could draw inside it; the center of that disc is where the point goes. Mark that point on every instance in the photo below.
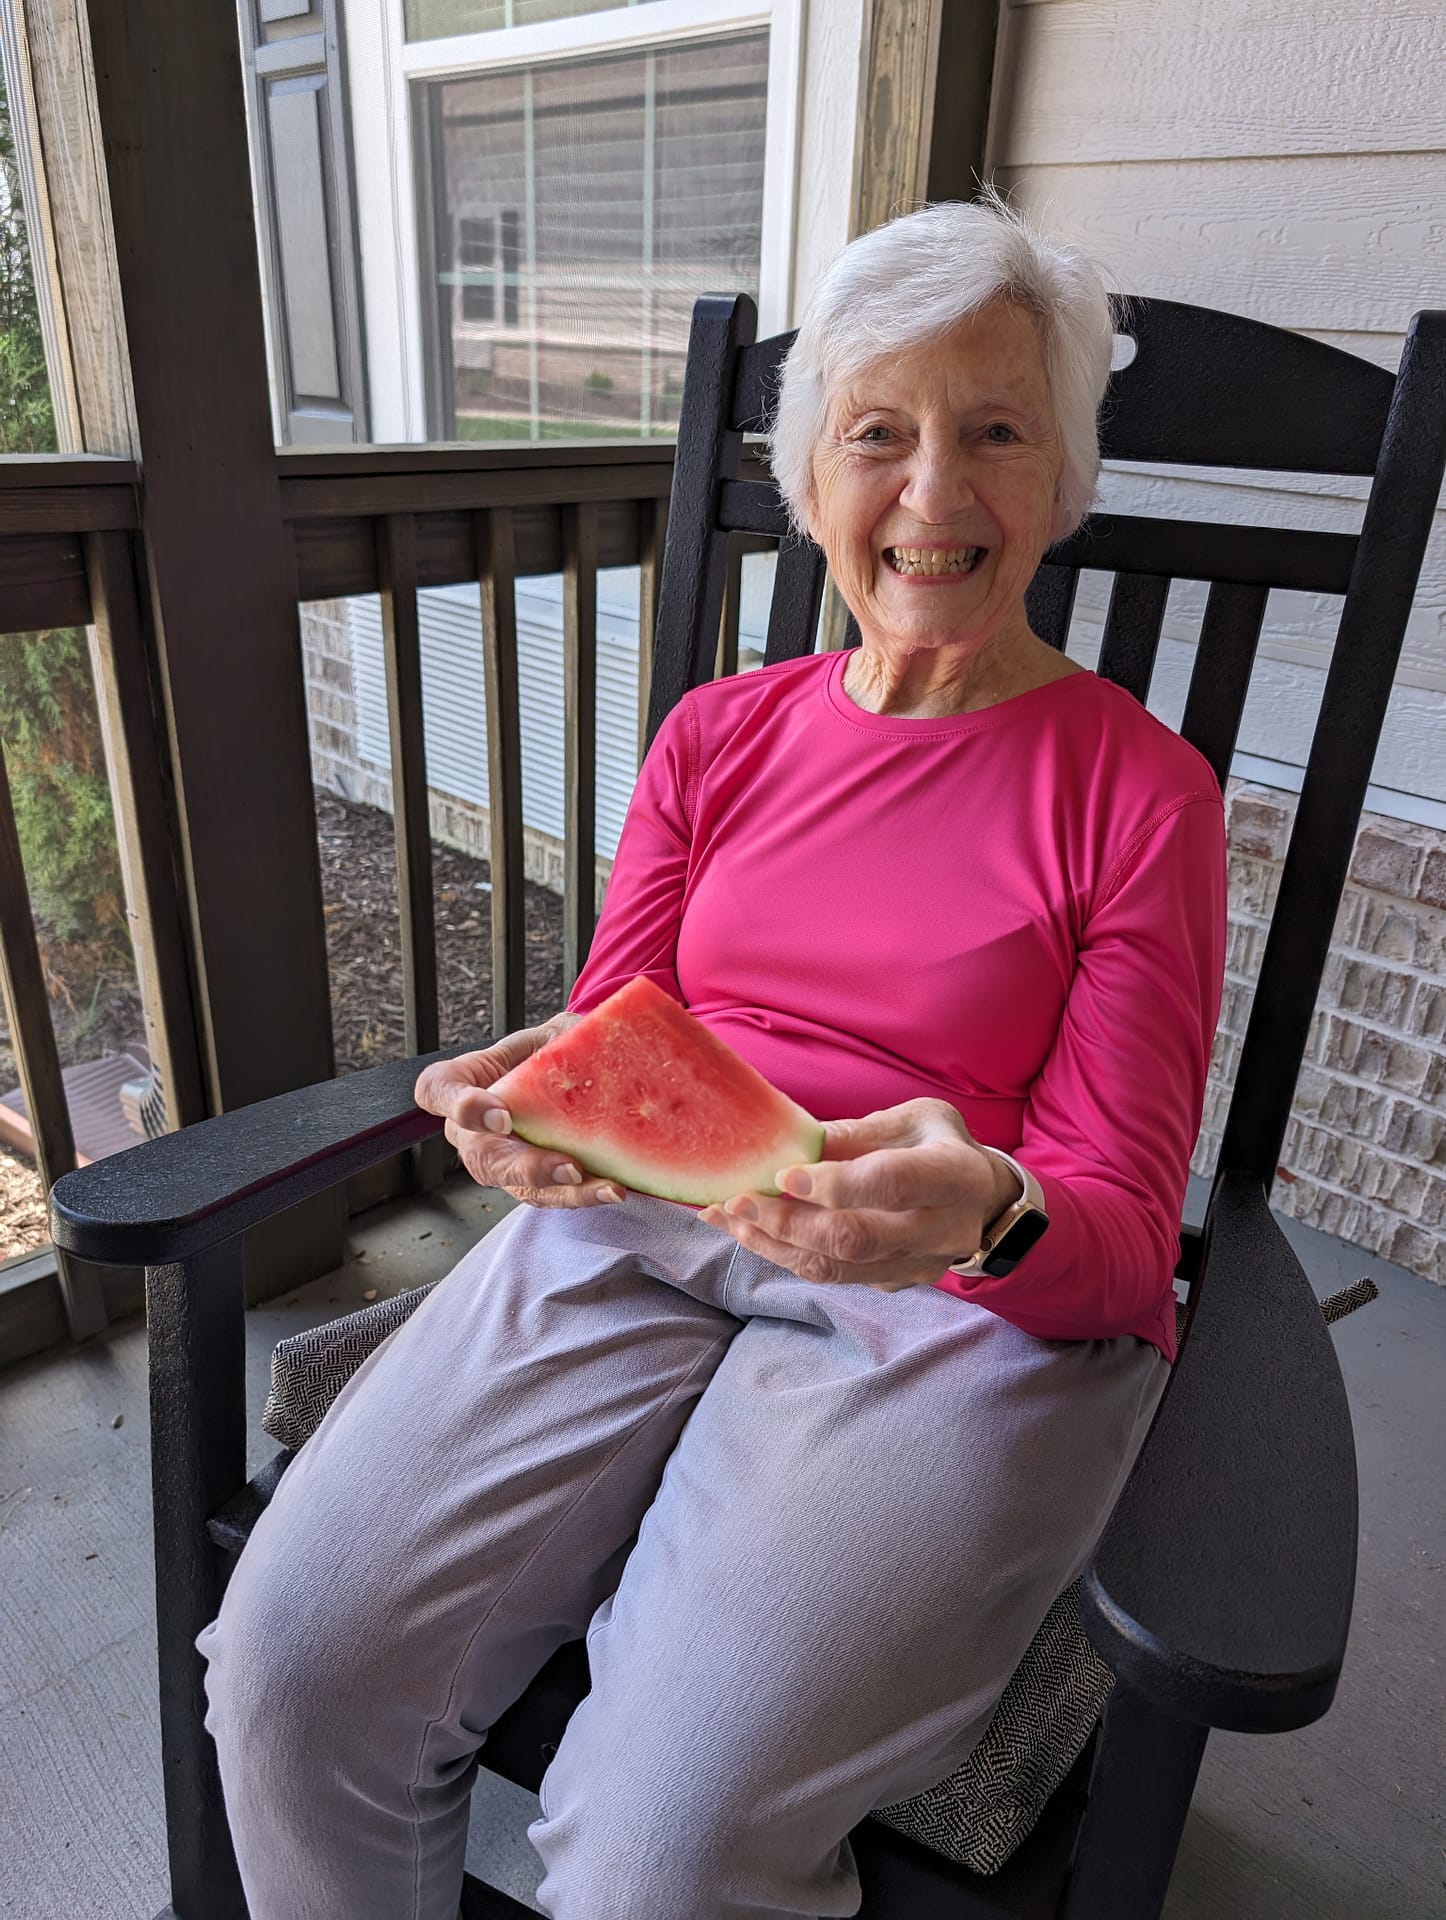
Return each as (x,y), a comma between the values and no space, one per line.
(580,207)
(431,19)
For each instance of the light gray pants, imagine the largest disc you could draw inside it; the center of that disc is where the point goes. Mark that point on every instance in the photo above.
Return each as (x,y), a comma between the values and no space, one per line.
(809,1532)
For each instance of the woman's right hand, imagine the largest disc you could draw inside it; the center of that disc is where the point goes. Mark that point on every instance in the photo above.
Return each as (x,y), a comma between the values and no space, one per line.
(478,1125)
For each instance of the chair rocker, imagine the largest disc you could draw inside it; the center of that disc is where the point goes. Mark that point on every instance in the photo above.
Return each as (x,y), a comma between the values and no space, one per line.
(1220,1595)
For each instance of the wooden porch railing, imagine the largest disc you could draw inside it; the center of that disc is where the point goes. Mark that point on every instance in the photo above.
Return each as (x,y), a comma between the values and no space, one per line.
(390,521)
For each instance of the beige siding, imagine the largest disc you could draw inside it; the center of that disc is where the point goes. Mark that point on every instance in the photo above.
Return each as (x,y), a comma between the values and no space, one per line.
(1351,241)
(1172,80)
(1274,158)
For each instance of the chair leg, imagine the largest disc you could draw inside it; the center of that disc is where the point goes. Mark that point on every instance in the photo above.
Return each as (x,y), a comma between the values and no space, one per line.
(196,1327)
(1139,1794)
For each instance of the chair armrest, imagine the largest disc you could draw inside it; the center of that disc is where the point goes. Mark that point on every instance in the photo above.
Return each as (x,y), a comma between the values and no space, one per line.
(168,1199)
(1222,1587)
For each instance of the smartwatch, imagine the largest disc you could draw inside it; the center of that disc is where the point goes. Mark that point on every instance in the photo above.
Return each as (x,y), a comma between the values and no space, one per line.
(1008,1238)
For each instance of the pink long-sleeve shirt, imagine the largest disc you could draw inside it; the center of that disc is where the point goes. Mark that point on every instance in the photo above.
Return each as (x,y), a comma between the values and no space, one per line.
(1020,911)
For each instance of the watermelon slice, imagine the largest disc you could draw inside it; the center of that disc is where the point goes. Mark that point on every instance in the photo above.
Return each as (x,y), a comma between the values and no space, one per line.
(639,1091)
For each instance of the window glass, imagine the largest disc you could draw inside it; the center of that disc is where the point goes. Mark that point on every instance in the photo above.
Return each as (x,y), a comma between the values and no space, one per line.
(434,19)
(580,208)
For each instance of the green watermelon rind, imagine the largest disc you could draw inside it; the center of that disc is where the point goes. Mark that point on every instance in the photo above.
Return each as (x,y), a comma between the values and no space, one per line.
(797,1145)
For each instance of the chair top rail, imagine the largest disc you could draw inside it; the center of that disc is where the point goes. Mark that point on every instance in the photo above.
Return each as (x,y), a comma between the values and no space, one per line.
(1326,414)
(1273,402)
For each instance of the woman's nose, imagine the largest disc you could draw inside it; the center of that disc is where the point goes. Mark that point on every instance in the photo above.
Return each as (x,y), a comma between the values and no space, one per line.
(939,486)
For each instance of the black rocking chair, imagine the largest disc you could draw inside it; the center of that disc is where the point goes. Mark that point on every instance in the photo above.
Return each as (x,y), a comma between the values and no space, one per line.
(1221,1593)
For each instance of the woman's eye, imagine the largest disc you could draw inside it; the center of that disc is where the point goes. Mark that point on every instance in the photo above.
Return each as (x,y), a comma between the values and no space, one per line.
(1001,433)
(876,435)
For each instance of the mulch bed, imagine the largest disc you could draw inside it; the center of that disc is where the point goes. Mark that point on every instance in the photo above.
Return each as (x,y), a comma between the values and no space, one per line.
(96,1012)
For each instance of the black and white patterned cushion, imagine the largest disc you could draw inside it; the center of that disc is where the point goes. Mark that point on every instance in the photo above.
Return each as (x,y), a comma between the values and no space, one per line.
(308,1370)
(980,1814)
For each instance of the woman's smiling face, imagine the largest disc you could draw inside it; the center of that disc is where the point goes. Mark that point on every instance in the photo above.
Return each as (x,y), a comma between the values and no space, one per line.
(933,490)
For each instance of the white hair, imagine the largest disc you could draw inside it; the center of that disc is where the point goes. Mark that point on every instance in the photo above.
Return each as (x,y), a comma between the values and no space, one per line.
(915,279)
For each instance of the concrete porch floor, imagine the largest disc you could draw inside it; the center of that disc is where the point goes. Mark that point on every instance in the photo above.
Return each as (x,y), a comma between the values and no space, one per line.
(1343,1821)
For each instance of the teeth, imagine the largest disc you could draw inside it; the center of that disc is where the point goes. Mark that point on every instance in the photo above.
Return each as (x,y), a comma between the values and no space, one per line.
(934,560)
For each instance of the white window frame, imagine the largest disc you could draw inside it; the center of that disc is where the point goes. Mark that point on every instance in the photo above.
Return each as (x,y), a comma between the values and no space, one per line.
(384,71)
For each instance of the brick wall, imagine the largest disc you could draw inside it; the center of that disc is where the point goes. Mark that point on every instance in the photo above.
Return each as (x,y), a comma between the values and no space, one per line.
(337,765)
(1365,1154)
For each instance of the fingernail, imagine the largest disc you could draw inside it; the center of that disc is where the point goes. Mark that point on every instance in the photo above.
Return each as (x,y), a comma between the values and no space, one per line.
(567,1176)
(497,1120)
(743,1209)
(608,1194)
(790,1180)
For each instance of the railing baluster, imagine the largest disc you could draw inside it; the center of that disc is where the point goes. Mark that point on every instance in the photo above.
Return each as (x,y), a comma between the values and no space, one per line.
(1049,602)
(652,534)
(579,693)
(1132,631)
(397,573)
(33,1038)
(497,571)
(797,597)
(143,829)
(1229,636)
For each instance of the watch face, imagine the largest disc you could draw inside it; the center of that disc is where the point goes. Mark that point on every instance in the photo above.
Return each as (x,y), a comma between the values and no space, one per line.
(1012,1248)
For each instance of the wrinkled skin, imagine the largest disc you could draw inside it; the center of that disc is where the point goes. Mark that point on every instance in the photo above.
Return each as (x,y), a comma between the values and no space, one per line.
(479,1126)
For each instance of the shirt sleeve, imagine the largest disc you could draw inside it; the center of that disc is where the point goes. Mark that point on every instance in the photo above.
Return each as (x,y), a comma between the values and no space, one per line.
(1111,1121)
(637,930)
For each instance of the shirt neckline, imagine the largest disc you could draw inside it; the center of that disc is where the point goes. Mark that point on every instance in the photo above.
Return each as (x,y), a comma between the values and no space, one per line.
(938,726)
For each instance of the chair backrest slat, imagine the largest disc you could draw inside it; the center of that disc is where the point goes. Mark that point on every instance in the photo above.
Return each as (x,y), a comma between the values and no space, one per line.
(1050,602)
(726,660)
(797,597)
(1132,631)
(1220,679)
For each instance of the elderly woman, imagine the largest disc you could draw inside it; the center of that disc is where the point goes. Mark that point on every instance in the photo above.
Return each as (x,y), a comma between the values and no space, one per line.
(807,1469)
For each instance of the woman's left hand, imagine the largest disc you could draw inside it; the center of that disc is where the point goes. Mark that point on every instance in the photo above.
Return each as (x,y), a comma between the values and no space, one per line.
(897,1196)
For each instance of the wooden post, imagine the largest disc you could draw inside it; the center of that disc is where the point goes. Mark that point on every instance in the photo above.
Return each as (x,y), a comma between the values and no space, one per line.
(73,257)
(894,140)
(169,121)
(925,95)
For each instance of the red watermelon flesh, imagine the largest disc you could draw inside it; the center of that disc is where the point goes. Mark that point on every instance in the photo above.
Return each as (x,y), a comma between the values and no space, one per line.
(641,1092)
